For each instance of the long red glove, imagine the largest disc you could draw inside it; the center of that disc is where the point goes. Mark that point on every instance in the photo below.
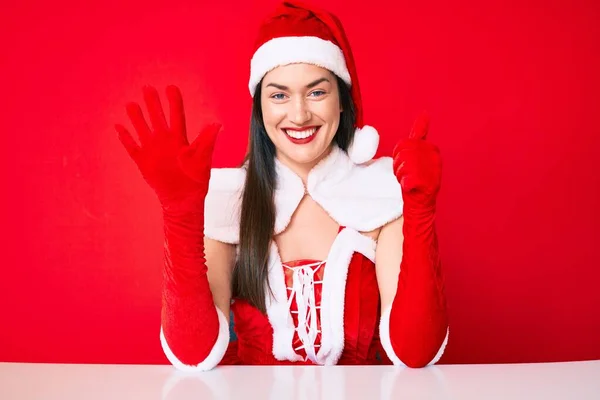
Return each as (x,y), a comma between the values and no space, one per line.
(194,332)
(418,323)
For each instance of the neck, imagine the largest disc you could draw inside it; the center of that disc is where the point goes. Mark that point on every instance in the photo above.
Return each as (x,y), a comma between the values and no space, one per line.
(302,169)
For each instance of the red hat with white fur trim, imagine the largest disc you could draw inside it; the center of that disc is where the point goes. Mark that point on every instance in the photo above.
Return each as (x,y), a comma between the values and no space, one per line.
(296,33)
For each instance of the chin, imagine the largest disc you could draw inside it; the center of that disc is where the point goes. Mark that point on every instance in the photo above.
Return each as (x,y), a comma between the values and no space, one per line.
(306,155)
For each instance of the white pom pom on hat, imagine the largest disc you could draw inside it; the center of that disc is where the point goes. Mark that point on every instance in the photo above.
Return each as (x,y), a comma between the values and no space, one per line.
(297,33)
(364,146)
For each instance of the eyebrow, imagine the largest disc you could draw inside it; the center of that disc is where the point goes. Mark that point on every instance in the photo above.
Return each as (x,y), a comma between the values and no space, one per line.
(309,86)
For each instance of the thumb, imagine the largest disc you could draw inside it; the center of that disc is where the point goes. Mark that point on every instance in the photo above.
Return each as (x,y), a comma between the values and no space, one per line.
(195,159)
(420,127)
(128,142)
(204,143)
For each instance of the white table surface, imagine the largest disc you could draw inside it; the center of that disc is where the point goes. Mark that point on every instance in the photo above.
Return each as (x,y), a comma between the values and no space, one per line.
(569,380)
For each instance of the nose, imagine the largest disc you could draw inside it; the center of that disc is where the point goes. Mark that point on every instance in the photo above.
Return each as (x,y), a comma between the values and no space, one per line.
(299,112)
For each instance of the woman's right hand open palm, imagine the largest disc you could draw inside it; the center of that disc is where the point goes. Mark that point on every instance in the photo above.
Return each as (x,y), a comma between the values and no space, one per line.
(176,170)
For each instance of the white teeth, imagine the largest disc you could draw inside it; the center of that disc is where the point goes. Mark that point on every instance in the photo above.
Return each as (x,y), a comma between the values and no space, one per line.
(300,134)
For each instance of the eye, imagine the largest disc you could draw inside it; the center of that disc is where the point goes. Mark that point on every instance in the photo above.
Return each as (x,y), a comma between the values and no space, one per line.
(278,96)
(317,93)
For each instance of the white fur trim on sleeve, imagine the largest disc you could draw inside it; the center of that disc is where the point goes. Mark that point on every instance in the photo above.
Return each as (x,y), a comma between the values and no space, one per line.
(297,49)
(222,204)
(386,343)
(214,357)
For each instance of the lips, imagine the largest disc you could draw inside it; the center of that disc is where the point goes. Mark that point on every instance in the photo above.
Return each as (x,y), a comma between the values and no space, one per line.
(301,135)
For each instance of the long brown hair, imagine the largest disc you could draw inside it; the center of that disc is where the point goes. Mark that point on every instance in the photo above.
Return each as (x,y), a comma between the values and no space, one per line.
(257,219)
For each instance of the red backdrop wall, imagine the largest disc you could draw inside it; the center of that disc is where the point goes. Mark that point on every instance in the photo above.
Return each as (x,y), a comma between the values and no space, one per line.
(512,89)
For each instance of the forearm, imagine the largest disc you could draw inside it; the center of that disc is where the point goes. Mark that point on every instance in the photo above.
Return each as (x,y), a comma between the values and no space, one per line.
(194,332)
(418,322)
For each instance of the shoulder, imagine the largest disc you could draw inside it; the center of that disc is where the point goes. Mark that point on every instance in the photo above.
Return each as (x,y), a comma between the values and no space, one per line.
(223,203)
(364,197)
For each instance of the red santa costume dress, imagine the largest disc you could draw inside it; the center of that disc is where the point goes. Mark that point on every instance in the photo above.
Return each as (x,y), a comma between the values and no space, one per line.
(321,312)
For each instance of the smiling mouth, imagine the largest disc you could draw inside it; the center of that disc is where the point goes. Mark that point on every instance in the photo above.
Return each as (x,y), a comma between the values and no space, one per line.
(301,134)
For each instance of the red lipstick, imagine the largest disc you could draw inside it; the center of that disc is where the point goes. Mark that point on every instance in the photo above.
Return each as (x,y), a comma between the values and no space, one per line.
(304,140)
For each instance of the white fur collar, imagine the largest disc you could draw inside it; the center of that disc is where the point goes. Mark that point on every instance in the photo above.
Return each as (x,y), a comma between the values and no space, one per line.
(362,197)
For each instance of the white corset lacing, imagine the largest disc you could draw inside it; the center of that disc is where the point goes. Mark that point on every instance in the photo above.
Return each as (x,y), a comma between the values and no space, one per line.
(303,289)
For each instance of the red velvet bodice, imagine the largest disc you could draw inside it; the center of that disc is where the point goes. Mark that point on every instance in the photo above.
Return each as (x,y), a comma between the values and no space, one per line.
(361,320)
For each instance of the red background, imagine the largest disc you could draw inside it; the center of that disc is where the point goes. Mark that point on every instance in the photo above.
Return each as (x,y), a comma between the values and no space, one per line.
(512,89)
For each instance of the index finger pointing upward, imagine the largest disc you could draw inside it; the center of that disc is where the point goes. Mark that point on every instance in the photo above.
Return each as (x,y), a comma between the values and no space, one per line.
(420,128)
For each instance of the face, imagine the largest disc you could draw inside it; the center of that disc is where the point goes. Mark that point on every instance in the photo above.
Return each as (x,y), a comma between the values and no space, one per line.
(301,112)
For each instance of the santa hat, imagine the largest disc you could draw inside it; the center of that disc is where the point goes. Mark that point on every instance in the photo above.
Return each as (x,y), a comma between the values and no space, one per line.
(296,33)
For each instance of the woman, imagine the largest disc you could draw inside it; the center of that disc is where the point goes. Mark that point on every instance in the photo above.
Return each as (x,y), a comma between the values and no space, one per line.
(322,255)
